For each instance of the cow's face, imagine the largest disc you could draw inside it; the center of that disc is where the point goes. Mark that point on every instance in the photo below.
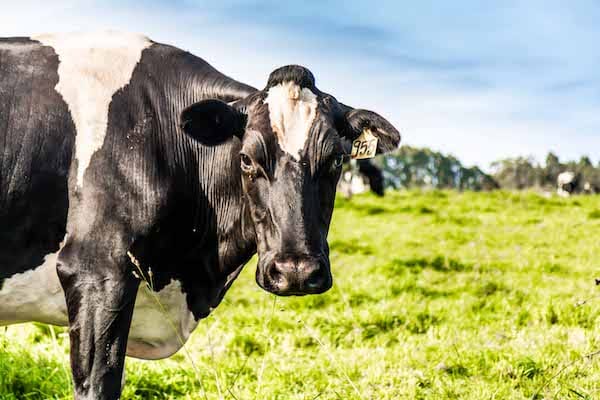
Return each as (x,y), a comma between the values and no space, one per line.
(290,161)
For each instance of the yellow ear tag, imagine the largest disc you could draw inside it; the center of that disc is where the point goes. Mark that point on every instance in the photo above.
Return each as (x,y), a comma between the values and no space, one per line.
(365,146)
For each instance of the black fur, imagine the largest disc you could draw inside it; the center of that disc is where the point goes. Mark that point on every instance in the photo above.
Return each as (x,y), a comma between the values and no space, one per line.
(292,73)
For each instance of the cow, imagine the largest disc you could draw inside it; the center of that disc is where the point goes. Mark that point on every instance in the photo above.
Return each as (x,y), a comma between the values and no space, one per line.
(125,160)
(590,188)
(567,183)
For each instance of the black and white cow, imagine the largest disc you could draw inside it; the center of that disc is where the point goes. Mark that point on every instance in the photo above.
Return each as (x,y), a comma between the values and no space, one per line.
(567,183)
(116,150)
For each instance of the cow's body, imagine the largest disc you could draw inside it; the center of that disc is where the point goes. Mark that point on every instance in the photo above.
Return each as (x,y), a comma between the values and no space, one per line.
(109,176)
(567,183)
(67,140)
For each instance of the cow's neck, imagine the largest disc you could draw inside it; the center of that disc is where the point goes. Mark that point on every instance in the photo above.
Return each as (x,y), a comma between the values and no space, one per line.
(204,237)
(233,244)
(237,245)
(200,236)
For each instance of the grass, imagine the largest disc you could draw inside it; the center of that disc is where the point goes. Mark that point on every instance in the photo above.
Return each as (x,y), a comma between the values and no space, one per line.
(437,295)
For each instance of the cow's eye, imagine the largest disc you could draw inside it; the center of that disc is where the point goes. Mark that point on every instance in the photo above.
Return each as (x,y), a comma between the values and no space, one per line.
(246,163)
(338,161)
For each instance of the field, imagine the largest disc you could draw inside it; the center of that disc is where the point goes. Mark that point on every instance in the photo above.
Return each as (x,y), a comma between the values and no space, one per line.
(437,295)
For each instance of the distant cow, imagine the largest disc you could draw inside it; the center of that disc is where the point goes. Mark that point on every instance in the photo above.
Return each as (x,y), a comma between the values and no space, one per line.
(567,183)
(590,188)
(122,158)
(359,176)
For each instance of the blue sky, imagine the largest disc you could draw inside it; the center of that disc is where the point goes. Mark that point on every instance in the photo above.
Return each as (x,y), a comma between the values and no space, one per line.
(481,80)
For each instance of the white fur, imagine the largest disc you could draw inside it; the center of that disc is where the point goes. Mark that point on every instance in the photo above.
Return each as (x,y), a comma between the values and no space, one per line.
(93,67)
(292,112)
(35,295)
(564,178)
(159,330)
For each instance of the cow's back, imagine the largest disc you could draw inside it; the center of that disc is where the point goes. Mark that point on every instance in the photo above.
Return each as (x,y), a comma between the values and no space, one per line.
(37,138)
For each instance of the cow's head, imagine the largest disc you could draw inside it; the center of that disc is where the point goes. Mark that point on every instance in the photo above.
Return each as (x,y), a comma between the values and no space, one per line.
(290,161)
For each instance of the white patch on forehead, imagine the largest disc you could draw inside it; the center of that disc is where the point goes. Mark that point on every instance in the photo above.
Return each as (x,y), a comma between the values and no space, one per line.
(34,295)
(92,68)
(292,111)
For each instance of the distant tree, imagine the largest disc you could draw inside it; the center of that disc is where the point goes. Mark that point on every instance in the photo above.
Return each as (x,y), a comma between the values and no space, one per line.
(422,167)
(516,173)
(551,170)
(524,172)
(587,173)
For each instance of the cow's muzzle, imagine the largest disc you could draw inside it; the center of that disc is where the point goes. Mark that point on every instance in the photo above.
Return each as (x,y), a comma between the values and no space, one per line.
(297,276)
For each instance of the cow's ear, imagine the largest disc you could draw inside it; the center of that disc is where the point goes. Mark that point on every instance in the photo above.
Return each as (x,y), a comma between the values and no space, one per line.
(212,121)
(352,122)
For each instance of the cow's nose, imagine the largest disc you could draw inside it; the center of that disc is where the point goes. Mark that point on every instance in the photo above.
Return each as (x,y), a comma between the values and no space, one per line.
(299,277)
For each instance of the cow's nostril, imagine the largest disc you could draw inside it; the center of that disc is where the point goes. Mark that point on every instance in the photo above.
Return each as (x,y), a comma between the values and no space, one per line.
(316,279)
(297,277)
(277,276)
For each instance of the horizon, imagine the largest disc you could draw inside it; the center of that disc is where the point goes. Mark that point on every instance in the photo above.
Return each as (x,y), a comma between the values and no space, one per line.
(480,83)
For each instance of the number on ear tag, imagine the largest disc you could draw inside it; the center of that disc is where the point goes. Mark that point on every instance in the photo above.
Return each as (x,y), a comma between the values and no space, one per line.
(365,146)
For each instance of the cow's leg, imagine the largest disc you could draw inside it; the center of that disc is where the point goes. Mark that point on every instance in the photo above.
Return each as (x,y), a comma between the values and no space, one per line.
(100,302)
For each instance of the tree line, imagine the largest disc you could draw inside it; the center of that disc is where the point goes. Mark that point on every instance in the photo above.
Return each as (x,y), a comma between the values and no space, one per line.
(422,167)
(525,172)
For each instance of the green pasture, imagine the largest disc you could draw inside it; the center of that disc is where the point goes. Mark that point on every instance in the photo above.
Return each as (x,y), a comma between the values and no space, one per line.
(437,295)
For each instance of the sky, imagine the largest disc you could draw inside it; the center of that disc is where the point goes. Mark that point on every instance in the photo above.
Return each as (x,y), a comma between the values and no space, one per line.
(481,80)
